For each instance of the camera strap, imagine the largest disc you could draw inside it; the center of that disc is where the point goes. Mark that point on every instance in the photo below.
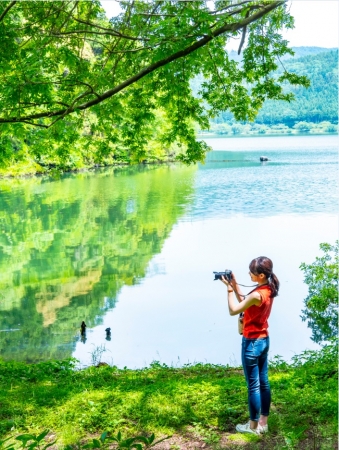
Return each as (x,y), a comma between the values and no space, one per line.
(256,287)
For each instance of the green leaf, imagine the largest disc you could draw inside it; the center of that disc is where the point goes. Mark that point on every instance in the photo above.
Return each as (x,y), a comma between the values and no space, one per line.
(103,436)
(42,435)
(25,438)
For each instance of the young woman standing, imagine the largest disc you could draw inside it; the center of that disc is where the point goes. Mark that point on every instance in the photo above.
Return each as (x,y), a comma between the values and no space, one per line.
(257,307)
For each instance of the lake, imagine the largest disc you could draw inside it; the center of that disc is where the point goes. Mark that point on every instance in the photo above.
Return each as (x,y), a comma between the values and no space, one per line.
(134,249)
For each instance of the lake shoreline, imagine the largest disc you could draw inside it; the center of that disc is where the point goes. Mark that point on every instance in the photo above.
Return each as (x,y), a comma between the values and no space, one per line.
(257,135)
(55,171)
(33,169)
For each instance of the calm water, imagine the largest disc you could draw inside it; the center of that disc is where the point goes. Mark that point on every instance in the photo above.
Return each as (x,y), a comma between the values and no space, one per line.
(134,250)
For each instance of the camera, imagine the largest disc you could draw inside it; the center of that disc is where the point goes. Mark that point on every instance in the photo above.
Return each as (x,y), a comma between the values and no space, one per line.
(227,274)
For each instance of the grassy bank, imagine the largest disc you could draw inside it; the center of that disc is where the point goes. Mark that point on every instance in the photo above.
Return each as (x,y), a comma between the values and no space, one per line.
(198,405)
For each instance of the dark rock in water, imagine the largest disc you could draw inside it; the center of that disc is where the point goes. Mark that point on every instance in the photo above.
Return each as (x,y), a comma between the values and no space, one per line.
(83,327)
(108,334)
(263,158)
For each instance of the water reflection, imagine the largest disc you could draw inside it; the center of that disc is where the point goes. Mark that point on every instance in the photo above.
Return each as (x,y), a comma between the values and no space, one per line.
(133,251)
(182,315)
(67,247)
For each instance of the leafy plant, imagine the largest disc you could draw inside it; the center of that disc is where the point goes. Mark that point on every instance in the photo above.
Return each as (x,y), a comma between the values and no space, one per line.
(96,354)
(38,442)
(28,441)
(321,304)
(207,435)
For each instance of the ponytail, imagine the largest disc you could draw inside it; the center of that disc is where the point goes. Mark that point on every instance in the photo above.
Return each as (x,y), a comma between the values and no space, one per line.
(274,284)
(264,265)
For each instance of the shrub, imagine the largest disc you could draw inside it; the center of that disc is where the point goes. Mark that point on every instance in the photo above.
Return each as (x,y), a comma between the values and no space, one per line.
(321,304)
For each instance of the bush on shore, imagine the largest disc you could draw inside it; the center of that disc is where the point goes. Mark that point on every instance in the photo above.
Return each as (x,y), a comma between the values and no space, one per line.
(257,129)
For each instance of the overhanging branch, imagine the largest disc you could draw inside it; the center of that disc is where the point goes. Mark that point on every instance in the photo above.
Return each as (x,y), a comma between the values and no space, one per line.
(151,68)
(7,9)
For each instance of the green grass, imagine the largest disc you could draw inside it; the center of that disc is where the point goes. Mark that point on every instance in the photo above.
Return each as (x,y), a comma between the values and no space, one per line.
(200,401)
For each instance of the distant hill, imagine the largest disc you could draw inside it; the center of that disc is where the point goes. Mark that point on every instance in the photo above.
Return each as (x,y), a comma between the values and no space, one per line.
(316,104)
(299,52)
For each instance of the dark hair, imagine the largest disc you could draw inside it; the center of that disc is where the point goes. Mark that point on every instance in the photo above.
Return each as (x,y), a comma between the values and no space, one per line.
(264,265)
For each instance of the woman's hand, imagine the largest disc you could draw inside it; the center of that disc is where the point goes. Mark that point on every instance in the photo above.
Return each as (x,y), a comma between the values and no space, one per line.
(233,282)
(230,284)
(226,282)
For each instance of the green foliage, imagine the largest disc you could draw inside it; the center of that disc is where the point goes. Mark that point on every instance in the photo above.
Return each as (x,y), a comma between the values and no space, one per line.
(321,304)
(29,442)
(78,89)
(317,103)
(255,129)
(97,353)
(104,442)
(302,126)
(202,402)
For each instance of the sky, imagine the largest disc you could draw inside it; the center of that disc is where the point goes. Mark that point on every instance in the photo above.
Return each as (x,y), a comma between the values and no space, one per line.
(316,23)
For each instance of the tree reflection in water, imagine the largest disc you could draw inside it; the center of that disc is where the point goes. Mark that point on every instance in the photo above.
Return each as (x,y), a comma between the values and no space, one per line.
(68,246)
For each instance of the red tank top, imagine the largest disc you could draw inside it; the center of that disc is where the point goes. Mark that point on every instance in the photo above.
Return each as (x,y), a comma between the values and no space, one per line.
(256,317)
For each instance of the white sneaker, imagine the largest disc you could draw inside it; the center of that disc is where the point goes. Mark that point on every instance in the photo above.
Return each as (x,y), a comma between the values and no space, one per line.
(247,429)
(262,428)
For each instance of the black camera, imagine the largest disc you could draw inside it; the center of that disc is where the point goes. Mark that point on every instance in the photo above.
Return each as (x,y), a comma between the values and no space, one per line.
(227,274)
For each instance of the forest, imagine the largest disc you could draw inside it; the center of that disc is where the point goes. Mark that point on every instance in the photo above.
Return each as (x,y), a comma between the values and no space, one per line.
(314,109)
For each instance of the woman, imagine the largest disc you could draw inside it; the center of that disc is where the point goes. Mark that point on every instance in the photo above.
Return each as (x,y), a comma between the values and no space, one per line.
(257,307)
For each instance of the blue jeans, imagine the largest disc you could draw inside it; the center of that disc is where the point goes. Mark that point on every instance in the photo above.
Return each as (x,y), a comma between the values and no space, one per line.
(254,361)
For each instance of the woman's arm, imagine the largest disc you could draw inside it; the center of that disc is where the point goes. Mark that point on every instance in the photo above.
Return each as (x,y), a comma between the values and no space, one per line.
(237,308)
(252,299)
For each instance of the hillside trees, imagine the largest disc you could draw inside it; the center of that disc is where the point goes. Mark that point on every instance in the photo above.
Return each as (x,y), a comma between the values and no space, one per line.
(317,104)
(77,88)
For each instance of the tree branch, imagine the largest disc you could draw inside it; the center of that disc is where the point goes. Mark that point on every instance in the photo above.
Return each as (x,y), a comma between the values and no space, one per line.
(243,35)
(64,33)
(230,6)
(242,39)
(152,67)
(7,9)
(35,124)
(108,30)
(157,15)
